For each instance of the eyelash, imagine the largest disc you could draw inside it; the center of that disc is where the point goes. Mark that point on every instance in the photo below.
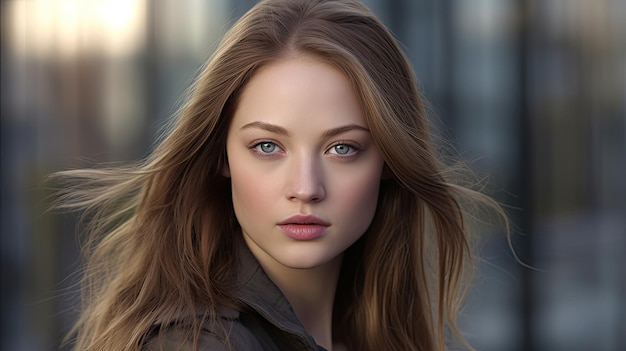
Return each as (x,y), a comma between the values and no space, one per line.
(256,149)
(356,149)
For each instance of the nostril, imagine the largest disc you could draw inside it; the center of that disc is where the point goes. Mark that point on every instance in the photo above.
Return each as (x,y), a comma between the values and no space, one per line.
(306,181)
(309,195)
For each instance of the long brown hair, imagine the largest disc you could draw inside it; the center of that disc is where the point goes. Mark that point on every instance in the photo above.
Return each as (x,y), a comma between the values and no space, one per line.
(162,232)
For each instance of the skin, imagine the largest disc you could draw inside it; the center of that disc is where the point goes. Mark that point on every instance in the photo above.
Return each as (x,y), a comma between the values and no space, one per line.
(298,144)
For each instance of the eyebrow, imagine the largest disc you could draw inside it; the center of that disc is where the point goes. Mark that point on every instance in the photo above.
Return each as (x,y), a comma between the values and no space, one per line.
(266,126)
(282,131)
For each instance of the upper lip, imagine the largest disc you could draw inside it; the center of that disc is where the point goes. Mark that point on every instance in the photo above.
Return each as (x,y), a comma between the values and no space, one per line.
(304,219)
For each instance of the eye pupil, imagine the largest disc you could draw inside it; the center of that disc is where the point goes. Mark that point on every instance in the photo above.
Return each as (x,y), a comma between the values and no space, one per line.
(342,149)
(268,147)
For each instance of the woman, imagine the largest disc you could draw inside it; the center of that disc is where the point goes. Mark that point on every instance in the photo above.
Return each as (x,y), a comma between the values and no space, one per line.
(296,203)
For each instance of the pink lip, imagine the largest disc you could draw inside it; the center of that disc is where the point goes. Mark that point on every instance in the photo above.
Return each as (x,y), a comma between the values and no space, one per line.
(303,227)
(304,219)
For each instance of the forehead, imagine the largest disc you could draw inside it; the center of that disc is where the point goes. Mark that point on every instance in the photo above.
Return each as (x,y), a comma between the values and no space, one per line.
(299,86)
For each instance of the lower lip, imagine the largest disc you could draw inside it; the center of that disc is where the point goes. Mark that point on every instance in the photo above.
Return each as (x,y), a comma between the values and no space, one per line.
(303,231)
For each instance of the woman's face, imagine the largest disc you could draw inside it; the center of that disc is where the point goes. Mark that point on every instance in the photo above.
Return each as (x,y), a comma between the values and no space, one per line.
(305,171)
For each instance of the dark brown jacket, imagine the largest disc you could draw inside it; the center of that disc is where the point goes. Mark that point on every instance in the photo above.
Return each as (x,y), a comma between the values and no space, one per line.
(266,323)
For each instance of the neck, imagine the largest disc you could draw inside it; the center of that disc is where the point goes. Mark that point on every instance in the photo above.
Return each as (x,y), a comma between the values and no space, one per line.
(311,293)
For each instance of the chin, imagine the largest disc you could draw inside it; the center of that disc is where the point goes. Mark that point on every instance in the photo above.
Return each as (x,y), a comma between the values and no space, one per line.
(300,260)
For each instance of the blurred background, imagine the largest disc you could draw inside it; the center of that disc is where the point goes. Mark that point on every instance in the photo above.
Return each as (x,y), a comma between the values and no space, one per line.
(533,90)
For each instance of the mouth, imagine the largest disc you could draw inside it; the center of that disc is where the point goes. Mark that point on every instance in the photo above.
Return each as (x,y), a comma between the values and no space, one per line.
(304,220)
(304,227)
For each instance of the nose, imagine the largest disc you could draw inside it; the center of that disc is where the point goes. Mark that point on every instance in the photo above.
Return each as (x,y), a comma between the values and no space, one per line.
(306,183)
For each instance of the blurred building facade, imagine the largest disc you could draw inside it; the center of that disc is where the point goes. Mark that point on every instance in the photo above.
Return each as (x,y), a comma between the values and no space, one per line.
(533,90)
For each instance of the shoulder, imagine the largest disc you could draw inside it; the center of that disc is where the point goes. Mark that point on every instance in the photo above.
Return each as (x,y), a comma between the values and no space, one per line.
(227,334)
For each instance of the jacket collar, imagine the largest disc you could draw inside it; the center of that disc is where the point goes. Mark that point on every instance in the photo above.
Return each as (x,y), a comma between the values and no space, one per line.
(259,293)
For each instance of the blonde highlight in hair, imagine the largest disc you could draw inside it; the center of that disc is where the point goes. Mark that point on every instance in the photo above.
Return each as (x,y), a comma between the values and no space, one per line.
(161,233)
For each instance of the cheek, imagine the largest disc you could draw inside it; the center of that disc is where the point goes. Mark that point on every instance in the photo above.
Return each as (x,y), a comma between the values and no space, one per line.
(249,193)
(247,189)
(359,198)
